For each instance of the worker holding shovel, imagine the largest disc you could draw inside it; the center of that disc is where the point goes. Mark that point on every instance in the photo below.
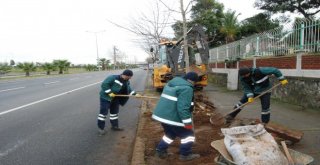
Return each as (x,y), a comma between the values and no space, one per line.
(174,112)
(254,82)
(112,85)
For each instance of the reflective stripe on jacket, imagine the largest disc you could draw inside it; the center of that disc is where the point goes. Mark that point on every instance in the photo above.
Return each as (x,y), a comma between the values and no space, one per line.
(115,84)
(174,105)
(258,81)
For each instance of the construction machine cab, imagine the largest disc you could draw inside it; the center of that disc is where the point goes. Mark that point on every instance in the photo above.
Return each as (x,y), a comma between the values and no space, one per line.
(171,60)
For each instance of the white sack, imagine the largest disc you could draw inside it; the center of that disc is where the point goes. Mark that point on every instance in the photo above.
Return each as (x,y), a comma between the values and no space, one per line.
(252,145)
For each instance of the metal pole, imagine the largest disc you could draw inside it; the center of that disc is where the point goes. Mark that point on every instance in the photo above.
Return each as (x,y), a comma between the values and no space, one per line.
(97,46)
(302,37)
(257,46)
(114,57)
(96,35)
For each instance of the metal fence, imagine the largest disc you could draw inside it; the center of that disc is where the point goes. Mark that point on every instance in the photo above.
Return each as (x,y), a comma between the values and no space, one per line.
(303,35)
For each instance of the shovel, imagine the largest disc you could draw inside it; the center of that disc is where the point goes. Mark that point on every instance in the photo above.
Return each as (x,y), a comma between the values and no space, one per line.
(147,97)
(221,119)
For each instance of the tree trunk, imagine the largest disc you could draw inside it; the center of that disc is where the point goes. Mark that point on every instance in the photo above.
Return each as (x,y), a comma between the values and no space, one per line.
(185,43)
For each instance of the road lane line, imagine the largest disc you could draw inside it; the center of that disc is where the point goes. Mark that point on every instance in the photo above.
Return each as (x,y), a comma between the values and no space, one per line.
(11,89)
(48,98)
(53,82)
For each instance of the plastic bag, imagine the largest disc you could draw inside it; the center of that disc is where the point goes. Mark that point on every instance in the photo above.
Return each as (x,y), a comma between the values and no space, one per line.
(252,145)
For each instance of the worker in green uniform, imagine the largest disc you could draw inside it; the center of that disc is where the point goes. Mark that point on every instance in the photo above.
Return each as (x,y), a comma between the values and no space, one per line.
(174,111)
(112,85)
(255,81)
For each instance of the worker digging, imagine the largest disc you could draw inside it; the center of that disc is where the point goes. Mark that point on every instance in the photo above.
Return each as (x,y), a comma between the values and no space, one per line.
(232,140)
(207,127)
(254,82)
(112,85)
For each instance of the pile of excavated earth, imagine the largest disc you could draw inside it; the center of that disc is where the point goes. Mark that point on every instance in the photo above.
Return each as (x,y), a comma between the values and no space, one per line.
(207,126)
(151,132)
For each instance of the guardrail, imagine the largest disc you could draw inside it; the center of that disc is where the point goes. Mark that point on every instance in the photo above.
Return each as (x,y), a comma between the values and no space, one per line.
(303,35)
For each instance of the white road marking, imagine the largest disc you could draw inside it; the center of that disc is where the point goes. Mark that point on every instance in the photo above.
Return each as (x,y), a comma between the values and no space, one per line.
(53,82)
(48,98)
(11,89)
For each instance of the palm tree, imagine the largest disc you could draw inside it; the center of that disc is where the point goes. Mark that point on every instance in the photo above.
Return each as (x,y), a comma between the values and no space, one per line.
(230,26)
(63,65)
(102,62)
(27,67)
(90,67)
(108,64)
(4,68)
(47,67)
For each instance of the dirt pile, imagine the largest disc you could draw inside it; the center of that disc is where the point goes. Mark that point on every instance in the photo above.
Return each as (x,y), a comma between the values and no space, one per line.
(205,133)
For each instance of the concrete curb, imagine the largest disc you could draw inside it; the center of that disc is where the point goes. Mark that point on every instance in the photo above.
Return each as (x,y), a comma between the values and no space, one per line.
(139,147)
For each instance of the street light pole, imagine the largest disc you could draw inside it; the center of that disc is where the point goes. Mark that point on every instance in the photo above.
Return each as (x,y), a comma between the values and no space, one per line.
(115,49)
(97,46)
(96,35)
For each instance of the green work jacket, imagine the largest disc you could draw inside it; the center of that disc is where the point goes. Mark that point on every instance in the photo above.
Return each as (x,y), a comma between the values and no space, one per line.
(175,104)
(258,81)
(115,84)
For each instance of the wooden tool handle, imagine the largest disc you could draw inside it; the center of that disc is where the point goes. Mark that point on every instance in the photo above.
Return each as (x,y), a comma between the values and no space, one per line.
(149,97)
(286,151)
(266,91)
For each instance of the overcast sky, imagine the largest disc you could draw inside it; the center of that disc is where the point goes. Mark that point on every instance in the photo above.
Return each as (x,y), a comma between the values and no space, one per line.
(44,30)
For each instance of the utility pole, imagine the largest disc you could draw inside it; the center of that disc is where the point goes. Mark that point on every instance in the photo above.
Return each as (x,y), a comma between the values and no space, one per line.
(114,57)
(96,35)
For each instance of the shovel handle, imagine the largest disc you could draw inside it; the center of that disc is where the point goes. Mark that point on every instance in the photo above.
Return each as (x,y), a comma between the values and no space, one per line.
(149,97)
(266,91)
(287,153)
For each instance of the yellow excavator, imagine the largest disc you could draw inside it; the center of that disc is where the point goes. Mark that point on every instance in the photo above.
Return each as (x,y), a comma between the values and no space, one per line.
(171,60)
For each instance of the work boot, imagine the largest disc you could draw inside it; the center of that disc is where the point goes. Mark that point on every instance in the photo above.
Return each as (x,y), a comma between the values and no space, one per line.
(101,132)
(189,157)
(163,154)
(117,129)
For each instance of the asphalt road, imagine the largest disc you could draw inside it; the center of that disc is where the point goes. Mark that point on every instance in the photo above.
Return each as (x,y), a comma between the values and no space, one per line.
(53,121)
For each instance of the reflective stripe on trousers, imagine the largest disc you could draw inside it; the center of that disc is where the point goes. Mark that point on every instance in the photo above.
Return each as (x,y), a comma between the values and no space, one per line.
(171,132)
(105,105)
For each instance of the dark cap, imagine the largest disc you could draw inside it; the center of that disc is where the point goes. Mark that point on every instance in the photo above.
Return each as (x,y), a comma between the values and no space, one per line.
(243,71)
(127,72)
(193,76)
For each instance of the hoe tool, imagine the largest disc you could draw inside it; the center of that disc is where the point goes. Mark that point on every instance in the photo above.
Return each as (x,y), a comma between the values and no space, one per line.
(142,97)
(217,120)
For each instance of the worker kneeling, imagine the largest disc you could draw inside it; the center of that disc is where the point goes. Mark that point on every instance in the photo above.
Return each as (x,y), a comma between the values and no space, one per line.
(174,111)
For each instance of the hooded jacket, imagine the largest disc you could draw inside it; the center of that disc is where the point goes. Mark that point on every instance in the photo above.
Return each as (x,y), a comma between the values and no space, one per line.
(115,84)
(258,81)
(175,104)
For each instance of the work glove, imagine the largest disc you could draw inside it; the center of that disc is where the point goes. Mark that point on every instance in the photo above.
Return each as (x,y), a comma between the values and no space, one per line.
(284,82)
(250,99)
(138,95)
(112,95)
(188,126)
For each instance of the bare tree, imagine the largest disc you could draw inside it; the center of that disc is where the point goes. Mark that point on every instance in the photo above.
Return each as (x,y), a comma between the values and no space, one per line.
(118,57)
(184,27)
(184,11)
(149,27)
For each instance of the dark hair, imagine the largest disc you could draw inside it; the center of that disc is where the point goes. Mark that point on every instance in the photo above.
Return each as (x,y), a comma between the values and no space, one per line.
(243,71)
(127,72)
